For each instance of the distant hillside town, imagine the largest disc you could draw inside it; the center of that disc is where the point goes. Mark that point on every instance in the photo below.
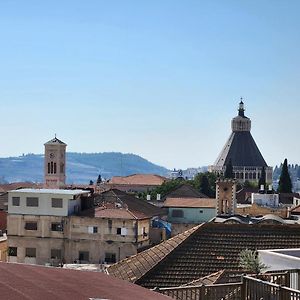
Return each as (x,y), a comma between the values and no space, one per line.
(222,232)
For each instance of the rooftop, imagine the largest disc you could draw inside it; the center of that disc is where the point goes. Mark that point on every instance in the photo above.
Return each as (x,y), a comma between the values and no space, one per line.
(20,281)
(138,179)
(118,213)
(204,250)
(133,204)
(55,141)
(51,191)
(185,191)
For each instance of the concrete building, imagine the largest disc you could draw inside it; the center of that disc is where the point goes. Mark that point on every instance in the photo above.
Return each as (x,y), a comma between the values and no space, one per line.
(242,151)
(55,163)
(47,226)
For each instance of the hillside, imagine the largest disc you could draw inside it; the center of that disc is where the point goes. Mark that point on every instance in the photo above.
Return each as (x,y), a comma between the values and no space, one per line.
(81,167)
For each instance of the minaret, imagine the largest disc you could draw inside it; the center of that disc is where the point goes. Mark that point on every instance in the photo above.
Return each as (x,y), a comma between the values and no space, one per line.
(55,164)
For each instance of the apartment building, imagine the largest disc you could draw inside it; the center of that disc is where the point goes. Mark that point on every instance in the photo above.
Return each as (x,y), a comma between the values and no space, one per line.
(47,226)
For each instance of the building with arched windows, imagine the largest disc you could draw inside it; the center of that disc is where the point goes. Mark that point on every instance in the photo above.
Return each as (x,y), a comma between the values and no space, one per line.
(241,149)
(55,162)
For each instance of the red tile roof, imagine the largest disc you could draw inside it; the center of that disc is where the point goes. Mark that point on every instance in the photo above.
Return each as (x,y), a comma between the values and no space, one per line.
(190,202)
(138,179)
(20,281)
(118,213)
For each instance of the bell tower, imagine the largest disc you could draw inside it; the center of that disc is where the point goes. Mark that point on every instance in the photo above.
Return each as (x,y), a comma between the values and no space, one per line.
(226,196)
(55,164)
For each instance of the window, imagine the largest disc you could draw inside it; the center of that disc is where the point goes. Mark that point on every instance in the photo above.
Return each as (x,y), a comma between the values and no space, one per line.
(13,251)
(110,257)
(48,168)
(32,201)
(31,225)
(84,255)
(92,229)
(56,227)
(54,168)
(201,211)
(16,201)
(119,230)
(30,252)
(177,213)
(109,224)
(57,202)
(56,253)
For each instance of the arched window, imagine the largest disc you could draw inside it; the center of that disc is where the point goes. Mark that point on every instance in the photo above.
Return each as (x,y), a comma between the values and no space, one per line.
(48,168)
(54,168)
(51,167)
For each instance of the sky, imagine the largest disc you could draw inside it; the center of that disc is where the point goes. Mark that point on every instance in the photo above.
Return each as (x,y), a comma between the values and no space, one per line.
(161,79)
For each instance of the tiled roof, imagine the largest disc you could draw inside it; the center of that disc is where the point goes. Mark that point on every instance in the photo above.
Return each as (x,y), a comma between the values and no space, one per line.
(134,267)
(19,185)
(207,280)
(210,248)
(55,141)
(133,203)
(287,198)
(190,202)
(185,191)
(118,213)
(20,281)
(139,179)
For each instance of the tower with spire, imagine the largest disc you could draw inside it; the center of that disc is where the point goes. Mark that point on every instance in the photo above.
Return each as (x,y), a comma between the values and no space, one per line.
(55,163)
(241,149)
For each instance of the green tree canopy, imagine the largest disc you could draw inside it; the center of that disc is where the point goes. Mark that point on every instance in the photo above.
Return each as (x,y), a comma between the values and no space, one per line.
(200,183)
(249,261)
(285,183)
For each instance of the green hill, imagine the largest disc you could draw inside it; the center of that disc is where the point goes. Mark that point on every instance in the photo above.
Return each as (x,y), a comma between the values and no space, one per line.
(81,167)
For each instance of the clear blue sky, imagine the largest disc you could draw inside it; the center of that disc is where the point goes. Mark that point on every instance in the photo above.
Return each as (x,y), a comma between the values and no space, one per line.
(161,79)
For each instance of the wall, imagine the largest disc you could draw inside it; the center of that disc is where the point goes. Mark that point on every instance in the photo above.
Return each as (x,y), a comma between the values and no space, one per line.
(45,204)
(192,215)
(256,210)
(75,237)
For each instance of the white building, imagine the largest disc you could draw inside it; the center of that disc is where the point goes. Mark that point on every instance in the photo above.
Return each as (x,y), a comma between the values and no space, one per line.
(271,200)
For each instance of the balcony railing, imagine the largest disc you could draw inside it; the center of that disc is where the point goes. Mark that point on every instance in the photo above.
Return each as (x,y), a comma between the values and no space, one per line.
(249,289)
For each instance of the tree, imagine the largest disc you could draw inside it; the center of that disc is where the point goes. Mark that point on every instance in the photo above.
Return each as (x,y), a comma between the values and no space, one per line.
(211,177)
(99,179)
(204,186)
(229,170)
(262,179)
(250,261)
(285,183)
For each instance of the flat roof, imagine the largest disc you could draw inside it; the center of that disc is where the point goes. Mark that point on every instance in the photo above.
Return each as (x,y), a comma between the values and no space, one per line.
(50,191)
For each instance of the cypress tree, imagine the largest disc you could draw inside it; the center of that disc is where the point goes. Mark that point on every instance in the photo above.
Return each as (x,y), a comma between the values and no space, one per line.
(229,170)
(262,179)
(204,186)
(285,183)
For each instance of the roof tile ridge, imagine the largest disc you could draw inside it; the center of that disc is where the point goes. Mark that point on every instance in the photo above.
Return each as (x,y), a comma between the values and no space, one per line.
(218,274)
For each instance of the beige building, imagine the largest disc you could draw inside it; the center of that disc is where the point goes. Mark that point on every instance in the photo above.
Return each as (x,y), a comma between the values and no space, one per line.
(55,163)
(45,227)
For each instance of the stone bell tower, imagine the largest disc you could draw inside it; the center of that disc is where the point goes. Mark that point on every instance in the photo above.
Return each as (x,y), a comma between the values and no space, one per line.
(226,196)
(55,164)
